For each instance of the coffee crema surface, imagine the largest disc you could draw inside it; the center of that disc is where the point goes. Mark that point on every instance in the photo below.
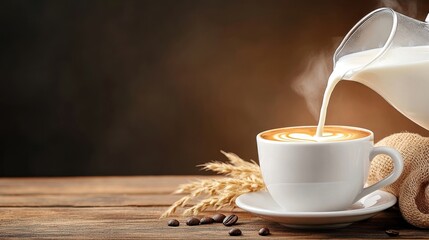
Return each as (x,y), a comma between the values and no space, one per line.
(308,134)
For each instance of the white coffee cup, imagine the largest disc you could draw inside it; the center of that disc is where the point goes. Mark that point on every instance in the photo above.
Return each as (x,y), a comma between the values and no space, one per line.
(321,176)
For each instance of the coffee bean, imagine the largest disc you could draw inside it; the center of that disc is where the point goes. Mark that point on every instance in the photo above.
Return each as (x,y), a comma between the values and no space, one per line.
(264,231)
(219,217)
(192,221)
(173,223)
(230,220)
(206,220)
(392,233)
(235,232)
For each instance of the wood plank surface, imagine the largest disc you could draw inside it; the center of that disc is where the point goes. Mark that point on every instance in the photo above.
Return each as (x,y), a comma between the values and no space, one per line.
(91,185)
(129,208)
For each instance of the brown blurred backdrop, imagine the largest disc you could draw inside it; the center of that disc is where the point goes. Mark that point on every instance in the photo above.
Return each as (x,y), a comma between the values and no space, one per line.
(157,87)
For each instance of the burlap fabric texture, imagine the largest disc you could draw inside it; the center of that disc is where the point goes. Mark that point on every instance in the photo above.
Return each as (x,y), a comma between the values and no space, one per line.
(412,188)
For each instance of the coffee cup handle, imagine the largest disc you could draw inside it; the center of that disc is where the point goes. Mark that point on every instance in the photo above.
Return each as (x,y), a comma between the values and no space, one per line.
(398,166)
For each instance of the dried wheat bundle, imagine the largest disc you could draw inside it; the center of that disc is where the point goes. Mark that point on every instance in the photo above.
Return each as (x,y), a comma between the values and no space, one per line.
(240,177)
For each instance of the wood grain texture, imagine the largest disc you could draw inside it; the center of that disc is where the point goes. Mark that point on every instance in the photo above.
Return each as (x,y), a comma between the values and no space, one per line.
(93,185)
(129,208)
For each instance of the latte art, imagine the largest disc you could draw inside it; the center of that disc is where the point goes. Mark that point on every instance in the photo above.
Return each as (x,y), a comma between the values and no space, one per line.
(327,136)
(307,134)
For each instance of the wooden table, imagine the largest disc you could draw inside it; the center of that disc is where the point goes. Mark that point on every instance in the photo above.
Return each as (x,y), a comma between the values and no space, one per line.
(129,207)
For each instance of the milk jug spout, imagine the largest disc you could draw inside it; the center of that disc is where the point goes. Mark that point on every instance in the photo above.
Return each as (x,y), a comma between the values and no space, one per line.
(389,52)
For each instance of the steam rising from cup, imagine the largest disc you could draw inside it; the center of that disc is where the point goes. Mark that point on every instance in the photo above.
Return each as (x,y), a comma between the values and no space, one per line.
(311,83)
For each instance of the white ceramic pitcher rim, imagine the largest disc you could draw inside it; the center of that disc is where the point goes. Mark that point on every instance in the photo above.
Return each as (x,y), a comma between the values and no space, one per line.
(370,137)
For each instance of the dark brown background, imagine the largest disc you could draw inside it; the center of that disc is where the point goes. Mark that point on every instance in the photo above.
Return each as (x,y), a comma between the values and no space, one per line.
(157,87)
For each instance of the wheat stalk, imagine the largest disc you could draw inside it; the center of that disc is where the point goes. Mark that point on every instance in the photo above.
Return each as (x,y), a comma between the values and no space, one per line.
(240,177)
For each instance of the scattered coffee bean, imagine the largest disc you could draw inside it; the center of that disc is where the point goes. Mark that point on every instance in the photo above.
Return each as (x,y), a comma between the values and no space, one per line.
(219,217)
(206,220)
(173,223)
(392,233)
(192,221)
(235,232)
(230,220)
(264,231)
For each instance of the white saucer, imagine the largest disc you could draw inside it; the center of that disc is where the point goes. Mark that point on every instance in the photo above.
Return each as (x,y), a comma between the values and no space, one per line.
(261,204)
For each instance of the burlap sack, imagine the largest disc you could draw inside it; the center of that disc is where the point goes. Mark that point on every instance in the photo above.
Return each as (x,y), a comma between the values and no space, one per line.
(412,188)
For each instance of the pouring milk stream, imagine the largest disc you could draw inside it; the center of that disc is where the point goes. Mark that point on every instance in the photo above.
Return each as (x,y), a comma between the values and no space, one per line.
(389,53)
